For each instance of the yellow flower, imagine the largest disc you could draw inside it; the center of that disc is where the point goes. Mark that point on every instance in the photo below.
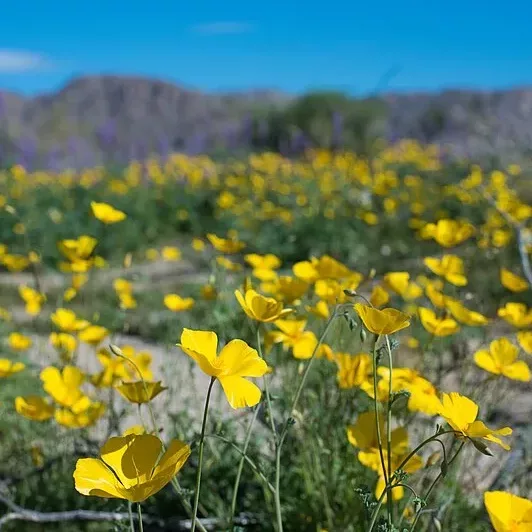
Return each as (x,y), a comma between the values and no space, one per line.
(208,292)
(263,265)
(385,321)
(461,414)
(15,263)
(513,282)
(525,341)
(78,250)
(34,407)
(363,434)
(437,326)
(131,467)
(64,386)
(8,367)
(93,334)
(225,245)
(177,303)
(19,342)
(292,335)
(261,308)
(228,264)
(508,512)
(400,283)
(516,314)
(450,267)
(379,297)
(448,233)
(63,342)
(320,310)
(463,314)
(135,429)
(323,268)
(198,245)
(501,359)
(66,320)
(106,213)
(353,370)
(140,391)
(152,254)
(423,395)
(32,298)
(171,254)
(234,362)
(286,288)
(83,416)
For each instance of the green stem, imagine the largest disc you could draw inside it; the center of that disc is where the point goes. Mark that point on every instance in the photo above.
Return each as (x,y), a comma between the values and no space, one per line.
(130,511)
(241,463)
(141,527)
(433,485)
(200,459)
(376,410)
(282,436)
(389,428)
(266,388)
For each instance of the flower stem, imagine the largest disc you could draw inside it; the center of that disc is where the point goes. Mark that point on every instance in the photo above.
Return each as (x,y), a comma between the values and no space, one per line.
(141,527)
(130,511)
(266,388)
(389,428)
(200,459)
(241,463)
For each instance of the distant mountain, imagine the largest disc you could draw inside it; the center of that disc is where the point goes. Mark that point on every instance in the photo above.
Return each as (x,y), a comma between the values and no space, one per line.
(101,119)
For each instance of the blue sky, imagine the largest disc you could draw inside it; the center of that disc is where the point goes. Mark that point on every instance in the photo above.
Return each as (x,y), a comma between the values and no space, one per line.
(291,46)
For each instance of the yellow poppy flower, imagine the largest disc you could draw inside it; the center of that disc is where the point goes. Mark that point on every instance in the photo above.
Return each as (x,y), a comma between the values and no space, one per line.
(177,303)
(448,233)
(79,418)
(79,249)
(287,289)
(63,342)
(228,264)
(106,213)
(400,283)
(15,263)
(198,245)
(323,268)
(208,292)
(293,336)
(461,414)
(379,296)
(32,298)
(93,334)
(131,467)
(508,512)
(64,385)
(320,310)
(19,342)
(234,362)
(66,320)
(513,282)
(385,321)
(261,308)
(135,429)
(501,359)
(437,326)
(353,370)
(516,314)
(8,367)
(263,265)
(225,245)
(141,391)
(423,395)
(463,314)
(171,254)
(450,267)
(34,407)
(525,341)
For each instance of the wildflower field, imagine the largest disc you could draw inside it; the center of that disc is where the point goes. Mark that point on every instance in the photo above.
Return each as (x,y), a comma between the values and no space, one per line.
(324,343)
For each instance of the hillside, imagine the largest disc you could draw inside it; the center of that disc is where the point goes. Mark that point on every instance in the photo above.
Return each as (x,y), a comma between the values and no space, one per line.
(112,119)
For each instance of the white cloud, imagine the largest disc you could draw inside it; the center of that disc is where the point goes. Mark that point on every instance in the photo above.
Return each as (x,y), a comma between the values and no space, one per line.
(223,28)
(13,61)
